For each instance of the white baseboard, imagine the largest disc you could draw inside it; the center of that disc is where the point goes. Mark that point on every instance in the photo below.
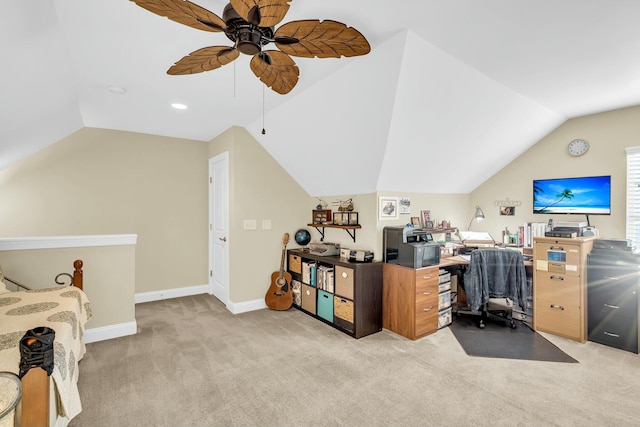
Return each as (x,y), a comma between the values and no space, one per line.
(171,293)
(234,308)
(109,332)
(245,306)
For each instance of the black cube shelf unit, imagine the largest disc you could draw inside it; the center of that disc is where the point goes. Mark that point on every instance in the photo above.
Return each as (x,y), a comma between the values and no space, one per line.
(346,295)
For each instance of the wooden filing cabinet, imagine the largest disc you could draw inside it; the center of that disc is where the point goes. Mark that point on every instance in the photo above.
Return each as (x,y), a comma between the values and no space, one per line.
(410,300)
(560,286)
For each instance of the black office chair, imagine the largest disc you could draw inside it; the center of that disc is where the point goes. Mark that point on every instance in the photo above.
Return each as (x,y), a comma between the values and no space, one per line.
(494,273)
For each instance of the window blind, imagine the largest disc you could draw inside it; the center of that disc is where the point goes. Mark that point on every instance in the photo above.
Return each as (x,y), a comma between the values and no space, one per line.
(633,195)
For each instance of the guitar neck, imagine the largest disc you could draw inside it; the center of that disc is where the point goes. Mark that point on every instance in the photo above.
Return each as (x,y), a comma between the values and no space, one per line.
(284,247)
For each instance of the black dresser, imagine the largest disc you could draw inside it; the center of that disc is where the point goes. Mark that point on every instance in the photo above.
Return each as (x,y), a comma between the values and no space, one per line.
(613,284)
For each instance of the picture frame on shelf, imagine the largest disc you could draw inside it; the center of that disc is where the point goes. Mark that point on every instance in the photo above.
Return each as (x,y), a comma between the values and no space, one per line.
(425,216)
(340,218)
(353,218)
(345,218)
(388,208)
(415,221)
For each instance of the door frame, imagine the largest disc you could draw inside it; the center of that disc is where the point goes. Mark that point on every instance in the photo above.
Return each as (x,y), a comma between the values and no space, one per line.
(219,241)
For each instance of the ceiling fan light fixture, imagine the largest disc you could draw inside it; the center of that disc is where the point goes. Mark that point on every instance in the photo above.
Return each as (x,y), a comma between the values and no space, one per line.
(248,41)
(248,38)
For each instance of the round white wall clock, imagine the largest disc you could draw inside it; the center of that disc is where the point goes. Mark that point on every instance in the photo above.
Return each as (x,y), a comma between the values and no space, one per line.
(578,147)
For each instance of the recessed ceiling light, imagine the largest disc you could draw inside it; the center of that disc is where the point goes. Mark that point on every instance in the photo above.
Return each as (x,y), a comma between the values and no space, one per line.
(116,90)
(179,106)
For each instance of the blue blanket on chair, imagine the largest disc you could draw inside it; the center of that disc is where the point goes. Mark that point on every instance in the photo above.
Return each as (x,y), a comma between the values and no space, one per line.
(495,273)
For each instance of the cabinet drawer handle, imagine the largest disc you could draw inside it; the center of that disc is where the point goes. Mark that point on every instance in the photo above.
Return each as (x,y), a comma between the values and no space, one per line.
(427,277)
(427,309)
(612,306)
(611,335)
(556,248)
(556,278)
(611,278)
(427,293)
(559,307)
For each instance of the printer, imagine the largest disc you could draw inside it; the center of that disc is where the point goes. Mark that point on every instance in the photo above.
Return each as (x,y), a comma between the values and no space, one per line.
(410,247)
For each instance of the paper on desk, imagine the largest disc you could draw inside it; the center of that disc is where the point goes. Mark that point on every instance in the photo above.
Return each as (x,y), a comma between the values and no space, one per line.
(475,236)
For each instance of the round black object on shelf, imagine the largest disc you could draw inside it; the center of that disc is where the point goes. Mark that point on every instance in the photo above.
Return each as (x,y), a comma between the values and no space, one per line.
(303,237)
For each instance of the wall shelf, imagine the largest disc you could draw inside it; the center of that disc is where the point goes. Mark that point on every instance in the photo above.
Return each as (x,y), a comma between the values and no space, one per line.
(350,229)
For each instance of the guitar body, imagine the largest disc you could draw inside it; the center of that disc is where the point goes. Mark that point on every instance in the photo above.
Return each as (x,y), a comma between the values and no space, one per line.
(280,295)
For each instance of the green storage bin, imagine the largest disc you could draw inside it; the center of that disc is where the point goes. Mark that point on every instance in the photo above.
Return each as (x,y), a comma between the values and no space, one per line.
(325,305)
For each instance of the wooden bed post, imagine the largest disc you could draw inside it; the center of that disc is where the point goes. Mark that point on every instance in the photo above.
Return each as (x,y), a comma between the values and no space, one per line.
(35,398)
(77,273)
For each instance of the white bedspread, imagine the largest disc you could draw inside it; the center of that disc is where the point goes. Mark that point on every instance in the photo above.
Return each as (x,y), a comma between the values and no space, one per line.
(65,310)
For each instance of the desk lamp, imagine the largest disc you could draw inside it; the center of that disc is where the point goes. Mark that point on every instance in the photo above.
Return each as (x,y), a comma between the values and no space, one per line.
(478,216)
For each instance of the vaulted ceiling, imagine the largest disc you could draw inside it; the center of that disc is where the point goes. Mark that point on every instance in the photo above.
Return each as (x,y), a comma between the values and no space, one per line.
(448,83)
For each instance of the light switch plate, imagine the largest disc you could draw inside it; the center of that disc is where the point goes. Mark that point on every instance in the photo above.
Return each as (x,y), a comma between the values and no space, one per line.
(250,224)
(266,224)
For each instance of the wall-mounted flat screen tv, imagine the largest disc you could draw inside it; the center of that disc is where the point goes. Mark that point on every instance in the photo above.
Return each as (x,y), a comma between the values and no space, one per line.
(589,195)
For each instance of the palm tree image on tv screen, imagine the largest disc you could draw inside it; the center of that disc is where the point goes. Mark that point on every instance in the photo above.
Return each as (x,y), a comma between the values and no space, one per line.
(582,195)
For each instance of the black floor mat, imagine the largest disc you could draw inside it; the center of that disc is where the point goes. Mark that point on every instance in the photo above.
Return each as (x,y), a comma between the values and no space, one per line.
(499,340)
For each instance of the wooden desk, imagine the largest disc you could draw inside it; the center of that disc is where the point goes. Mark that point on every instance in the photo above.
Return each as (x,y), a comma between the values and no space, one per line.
(459,260)
(451,261)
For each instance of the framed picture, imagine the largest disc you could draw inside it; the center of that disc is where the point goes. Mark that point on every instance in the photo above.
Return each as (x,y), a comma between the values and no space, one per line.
(425,216)
(388,208)
(428,224)
(508,210)
(415,221)
(405,205)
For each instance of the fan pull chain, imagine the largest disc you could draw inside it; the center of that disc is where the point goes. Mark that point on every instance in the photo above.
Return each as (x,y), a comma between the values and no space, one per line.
(263,131)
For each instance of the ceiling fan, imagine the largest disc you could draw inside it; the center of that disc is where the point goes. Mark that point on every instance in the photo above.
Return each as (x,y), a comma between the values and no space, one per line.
(250,25)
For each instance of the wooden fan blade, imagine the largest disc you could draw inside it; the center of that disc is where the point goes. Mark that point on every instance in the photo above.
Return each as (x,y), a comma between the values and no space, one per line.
(205,59)
(184,12)
(263,13)
(275,69)
(326,39)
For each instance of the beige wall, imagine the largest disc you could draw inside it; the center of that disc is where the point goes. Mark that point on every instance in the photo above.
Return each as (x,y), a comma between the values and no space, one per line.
(108,273)
(608,135)
(99,181)
(259,189)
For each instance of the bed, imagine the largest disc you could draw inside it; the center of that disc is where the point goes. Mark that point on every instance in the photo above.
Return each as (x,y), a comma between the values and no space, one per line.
(65,309)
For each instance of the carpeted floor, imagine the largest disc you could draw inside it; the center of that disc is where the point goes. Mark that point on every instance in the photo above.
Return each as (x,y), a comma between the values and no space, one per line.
(498,339)
(193,363)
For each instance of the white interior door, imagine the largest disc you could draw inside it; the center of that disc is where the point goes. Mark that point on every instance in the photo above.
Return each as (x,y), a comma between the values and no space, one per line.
(219,226)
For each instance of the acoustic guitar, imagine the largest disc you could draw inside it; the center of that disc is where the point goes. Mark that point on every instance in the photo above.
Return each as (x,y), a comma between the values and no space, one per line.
(280,296)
